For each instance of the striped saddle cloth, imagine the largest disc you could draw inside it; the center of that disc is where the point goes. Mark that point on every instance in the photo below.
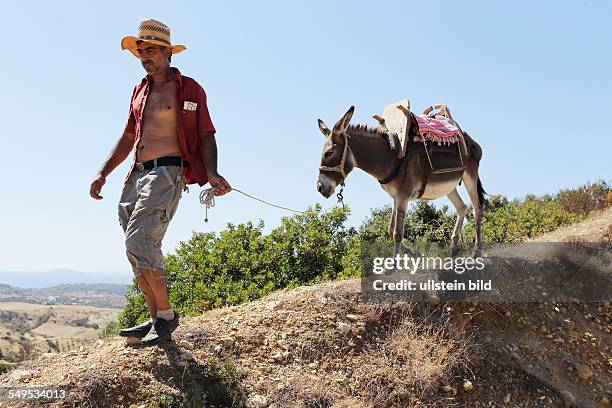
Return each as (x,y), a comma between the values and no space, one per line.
(437,130)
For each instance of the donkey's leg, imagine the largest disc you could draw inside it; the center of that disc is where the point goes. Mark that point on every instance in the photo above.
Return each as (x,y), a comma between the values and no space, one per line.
(398,231)
(462,211)
(391,227)
(471,185)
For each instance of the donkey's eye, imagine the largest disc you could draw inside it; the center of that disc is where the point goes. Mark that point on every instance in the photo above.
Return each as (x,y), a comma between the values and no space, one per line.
(329,153)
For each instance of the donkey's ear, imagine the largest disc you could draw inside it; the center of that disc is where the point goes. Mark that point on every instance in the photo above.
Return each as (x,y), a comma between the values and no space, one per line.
(344,121)
(323,127)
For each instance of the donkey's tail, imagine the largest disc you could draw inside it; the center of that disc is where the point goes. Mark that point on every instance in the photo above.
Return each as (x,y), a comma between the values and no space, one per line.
(481,194)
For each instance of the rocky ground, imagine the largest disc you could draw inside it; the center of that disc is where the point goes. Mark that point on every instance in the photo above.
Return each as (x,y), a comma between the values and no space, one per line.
(324,346)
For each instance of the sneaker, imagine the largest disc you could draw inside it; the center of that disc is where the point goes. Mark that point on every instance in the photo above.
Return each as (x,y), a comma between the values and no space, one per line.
(161,330)
(137,331)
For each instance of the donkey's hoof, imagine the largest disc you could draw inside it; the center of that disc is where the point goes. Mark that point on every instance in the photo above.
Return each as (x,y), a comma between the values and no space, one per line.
(453,251)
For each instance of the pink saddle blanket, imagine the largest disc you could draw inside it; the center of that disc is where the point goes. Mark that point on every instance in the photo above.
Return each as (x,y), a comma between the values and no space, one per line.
(437,130)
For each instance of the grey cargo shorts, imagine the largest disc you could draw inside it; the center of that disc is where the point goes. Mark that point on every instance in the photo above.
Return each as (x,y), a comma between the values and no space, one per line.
(148,203)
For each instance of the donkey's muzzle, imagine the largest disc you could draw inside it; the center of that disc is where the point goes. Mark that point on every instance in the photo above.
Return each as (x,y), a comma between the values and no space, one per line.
(325,191)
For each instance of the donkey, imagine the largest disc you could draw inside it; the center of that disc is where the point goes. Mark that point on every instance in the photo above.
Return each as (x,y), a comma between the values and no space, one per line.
(348,146)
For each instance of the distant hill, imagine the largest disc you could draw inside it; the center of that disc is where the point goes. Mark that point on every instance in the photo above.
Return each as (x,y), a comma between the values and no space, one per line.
(93,294)
(53,277)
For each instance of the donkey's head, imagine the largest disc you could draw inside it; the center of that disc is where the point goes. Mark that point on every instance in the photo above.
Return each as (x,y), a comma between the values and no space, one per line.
(336,160)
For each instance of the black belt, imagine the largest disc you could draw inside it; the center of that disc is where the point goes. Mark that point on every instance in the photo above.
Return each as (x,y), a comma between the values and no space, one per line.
(161,161)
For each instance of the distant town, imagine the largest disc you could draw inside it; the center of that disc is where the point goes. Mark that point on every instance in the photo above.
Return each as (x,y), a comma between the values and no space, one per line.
(98,294)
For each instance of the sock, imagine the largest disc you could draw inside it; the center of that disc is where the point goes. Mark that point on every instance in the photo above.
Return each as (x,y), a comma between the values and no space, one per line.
(167,314)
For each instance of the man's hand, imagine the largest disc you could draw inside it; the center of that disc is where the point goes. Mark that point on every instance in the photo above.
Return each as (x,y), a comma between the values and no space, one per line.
(96,187)
(220,185)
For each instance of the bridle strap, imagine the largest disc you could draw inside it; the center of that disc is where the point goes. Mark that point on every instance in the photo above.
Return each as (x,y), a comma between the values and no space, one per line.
(339,168)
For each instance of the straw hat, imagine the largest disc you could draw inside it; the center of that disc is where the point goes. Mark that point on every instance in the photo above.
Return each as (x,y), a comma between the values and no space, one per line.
(154,32)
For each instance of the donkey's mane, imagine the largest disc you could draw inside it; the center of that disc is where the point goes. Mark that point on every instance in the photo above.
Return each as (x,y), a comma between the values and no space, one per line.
(365,130)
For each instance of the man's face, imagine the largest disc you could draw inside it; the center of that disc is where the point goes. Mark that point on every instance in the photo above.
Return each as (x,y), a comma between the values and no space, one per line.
(153,58)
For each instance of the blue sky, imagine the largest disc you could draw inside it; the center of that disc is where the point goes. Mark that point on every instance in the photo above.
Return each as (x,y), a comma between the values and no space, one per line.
(530,81)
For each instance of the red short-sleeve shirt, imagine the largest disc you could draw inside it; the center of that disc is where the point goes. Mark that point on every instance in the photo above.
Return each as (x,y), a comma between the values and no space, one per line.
(193,121)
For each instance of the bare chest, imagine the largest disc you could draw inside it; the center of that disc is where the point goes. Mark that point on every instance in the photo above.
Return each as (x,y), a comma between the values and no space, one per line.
(161,102)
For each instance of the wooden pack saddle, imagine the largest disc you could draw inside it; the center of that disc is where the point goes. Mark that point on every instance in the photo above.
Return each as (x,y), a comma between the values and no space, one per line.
(434,134)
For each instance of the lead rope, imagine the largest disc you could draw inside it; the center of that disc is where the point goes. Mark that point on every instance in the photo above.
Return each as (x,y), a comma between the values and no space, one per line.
(340,196)
(207,199)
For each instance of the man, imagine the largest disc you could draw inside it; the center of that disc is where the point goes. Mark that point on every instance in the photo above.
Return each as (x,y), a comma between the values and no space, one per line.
(172,136)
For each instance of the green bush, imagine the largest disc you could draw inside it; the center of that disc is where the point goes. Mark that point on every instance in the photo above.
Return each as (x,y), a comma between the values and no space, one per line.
(503,220)
(424,224)
(518,220)
(4,368)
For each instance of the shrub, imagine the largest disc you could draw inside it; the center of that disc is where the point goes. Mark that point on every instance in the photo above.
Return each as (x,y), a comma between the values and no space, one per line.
(503,220)
(586,198)
(424,224)
(519,220)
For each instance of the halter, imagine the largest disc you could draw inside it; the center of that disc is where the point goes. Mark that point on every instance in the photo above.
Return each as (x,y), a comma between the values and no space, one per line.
(339,168)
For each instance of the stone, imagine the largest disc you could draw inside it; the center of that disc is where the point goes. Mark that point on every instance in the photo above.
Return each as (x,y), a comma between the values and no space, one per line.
(227,341)
(569,400)
(185,344)
(583,372)
(22,375)
(130,341)
(257,401)
(344,327)
(467,385)
(273,304)
(506,399)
